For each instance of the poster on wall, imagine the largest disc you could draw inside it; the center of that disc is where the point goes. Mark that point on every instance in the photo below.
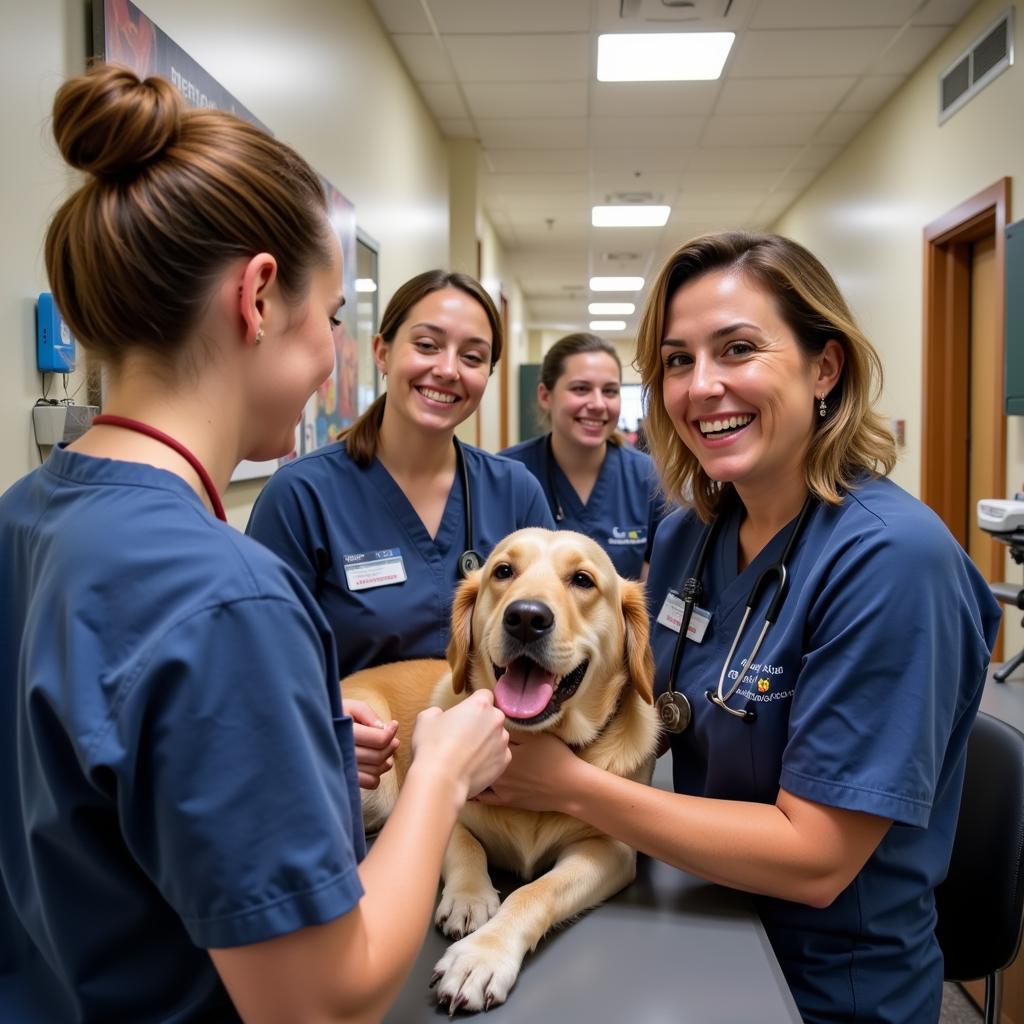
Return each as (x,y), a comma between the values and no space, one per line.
(123,35)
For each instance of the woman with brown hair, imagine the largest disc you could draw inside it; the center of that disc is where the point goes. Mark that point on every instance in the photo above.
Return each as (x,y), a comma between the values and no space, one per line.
(594,483)
(180,830)
(383,524)
(820,639)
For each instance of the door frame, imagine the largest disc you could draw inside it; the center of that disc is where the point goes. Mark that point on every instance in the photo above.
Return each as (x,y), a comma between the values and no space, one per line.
(946,357)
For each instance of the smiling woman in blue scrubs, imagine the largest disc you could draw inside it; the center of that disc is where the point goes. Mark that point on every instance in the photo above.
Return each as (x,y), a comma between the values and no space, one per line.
(594,484)
(180,831)
(375,525)
(824,774)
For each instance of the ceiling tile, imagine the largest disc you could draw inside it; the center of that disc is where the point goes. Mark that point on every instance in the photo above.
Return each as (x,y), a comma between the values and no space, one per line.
(871,92)
(833,13)
(424,58)
(739,178)
(520,58)
(816,157)
(457,128)
(512,184)
(769,158)
(401,17)
(907,52)
(697,200)
(657,132)
(526,99)
(819,52)
(444,100)
(752,129)
(534,132)
(493,16)
(789,95)
(509,161)
(660,183)
(841,128)
(624,99)
(606,156)
(943,12)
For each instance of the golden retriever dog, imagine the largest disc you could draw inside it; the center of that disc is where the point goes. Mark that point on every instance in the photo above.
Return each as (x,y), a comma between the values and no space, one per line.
(562,640)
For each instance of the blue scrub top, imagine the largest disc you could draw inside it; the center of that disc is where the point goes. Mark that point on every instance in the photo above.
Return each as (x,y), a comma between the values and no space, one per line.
(175,770)
(357,543)
(865,691)
(623,510)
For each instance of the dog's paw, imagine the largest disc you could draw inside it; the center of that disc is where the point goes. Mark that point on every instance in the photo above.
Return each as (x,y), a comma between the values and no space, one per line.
(476,973)
(461,911)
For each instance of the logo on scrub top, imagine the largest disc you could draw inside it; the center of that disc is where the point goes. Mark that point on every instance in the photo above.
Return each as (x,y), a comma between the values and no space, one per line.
(763,685)
(620,536)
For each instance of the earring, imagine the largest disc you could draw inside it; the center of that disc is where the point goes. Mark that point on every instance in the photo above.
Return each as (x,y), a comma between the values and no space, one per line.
(822,407)
(259,334)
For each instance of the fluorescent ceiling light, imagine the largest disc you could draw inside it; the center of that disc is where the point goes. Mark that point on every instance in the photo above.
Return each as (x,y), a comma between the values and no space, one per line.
(611,308)
(662,56)
(607,325)
(629,216)
(365,284)
(616,284)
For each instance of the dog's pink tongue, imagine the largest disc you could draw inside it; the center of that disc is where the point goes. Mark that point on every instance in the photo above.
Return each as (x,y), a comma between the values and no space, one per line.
(524,690)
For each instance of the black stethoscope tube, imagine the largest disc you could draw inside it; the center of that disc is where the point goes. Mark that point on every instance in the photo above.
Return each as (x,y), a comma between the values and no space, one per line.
(469,560)
(555,502)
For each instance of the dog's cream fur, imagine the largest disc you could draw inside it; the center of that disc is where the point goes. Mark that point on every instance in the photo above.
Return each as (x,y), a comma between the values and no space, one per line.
(608,721)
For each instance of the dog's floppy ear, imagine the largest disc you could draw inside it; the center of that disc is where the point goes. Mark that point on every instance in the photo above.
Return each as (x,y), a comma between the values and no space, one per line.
(460,647)
(639,659)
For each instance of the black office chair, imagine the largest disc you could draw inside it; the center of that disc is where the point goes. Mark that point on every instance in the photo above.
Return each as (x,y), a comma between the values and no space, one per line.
(980,903)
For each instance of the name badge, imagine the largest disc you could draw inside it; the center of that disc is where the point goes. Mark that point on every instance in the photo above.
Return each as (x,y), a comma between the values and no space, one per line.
(671,615)
(371,569)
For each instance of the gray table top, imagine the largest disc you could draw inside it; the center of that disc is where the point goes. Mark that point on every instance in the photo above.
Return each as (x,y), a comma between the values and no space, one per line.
(668,948)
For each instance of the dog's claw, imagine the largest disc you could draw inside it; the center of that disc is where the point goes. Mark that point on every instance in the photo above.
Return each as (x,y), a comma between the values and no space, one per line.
(435,978)
(488,1002)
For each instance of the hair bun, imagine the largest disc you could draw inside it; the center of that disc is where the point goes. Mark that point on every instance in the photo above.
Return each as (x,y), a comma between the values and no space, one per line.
(109,123)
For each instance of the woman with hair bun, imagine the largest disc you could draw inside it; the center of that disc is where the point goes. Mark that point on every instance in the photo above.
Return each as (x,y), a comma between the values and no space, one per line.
(180,829)
(594,483)
(817,708)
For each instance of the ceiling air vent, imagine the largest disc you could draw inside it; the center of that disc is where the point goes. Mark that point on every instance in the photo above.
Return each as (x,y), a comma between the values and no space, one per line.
(986,58)
(635,198)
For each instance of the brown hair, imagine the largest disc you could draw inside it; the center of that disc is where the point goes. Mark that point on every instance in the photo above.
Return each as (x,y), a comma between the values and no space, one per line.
(850,441)
(362,437)
(555,359)
(175,194)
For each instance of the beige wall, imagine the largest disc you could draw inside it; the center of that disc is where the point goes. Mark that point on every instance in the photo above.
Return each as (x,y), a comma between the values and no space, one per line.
(322,76)
(865,217)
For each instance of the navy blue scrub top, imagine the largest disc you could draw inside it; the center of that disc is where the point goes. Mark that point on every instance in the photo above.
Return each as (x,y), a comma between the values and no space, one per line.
(865,691)
(175,769)
(623,510)
(357,543)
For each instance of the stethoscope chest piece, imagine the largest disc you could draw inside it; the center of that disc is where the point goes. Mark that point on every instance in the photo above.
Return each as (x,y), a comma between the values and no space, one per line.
(674,711)
(469,561)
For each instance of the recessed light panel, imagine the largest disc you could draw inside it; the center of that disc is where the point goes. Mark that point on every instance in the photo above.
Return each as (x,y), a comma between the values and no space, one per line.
(662,56)
(365,284)
(629,216)
(607,325)
(616,284)
(611,308)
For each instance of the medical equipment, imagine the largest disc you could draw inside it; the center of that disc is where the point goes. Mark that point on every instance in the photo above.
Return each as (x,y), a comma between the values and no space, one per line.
(999,515)
(556,504)
(674,707)
(469,560)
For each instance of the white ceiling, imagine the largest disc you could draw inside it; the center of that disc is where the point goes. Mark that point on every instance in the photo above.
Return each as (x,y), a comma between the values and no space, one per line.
(803,78)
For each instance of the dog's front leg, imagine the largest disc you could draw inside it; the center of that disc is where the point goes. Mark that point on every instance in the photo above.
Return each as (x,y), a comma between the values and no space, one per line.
(478,972)
(468,899)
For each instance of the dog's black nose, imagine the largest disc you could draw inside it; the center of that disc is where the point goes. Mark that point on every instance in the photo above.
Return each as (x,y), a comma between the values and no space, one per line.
(528,620)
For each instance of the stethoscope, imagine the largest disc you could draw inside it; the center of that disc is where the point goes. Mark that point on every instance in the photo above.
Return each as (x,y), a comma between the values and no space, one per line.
(556,503)
(469,560)
(672,706)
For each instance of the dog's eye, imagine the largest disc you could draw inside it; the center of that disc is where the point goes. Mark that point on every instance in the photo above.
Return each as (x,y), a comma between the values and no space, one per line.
(503,571)
(583,580)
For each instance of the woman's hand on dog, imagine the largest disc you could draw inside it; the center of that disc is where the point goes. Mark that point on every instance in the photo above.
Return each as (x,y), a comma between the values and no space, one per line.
(376,742)
(540,777)
(468,741)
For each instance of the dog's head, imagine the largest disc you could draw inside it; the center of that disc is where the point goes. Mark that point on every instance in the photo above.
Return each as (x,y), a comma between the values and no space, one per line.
(551,628)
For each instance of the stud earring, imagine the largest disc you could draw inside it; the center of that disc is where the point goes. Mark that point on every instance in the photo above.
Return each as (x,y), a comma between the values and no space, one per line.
(259,334)
(822,408)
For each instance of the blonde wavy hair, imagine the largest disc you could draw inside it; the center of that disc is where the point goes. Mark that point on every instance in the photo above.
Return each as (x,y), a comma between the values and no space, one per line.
(850,441)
